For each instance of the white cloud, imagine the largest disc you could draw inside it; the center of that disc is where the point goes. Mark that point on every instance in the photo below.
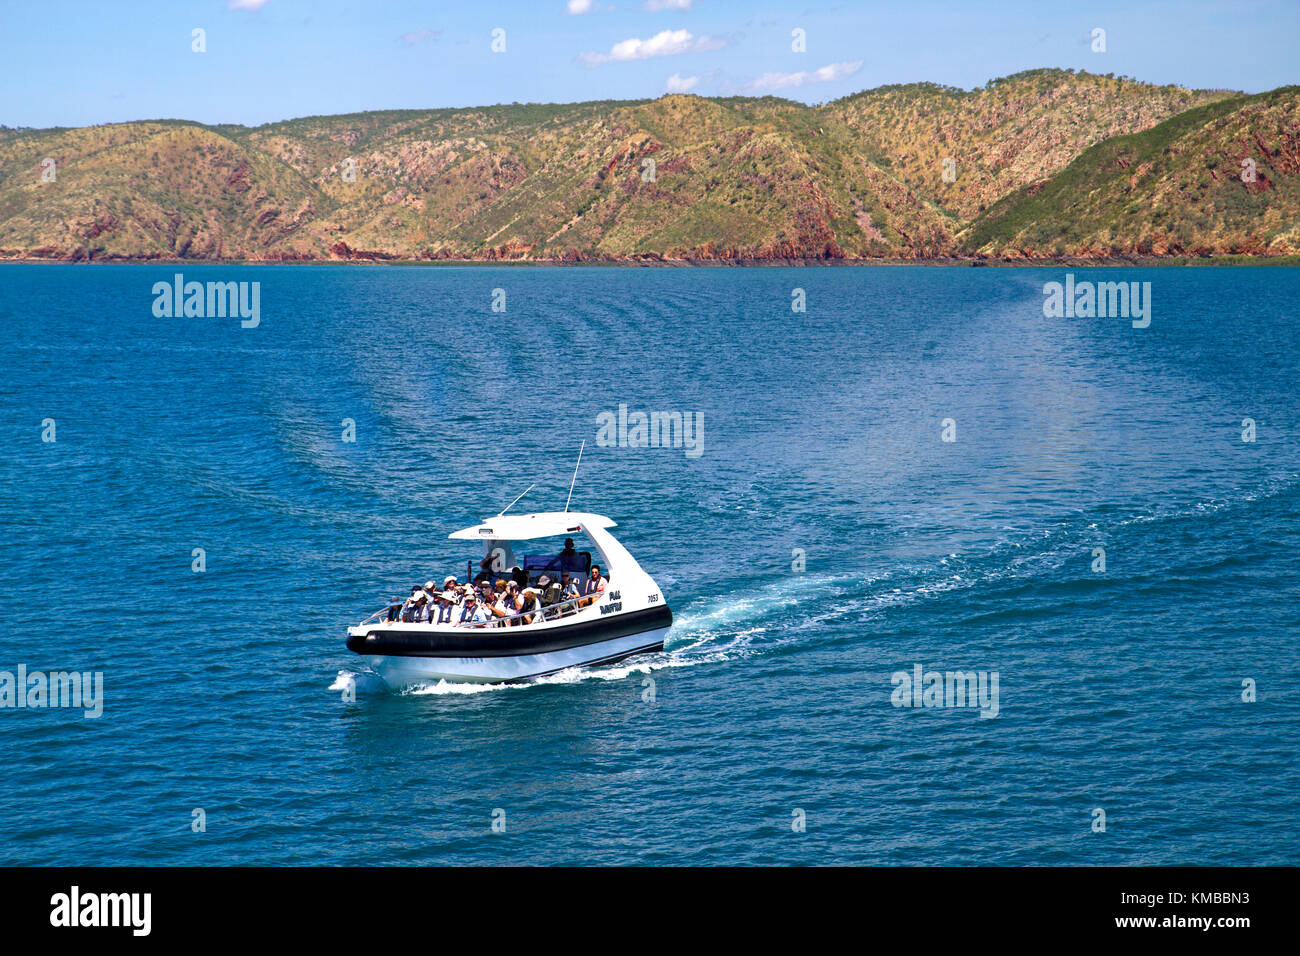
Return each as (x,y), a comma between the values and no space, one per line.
(247,4)
(665,43)
(826,74)
(655,5)
(579,6)
(680,84)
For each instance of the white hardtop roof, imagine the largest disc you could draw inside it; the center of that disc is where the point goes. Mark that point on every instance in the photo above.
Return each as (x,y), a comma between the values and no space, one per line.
(545,524)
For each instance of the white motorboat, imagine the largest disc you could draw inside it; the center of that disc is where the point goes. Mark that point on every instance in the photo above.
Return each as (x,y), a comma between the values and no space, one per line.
(629,617)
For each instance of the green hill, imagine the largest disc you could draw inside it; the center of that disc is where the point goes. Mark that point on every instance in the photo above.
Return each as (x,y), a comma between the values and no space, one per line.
(680,177)
(1220,178)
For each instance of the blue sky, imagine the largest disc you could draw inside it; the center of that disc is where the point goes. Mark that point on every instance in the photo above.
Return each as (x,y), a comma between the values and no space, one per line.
(77,63)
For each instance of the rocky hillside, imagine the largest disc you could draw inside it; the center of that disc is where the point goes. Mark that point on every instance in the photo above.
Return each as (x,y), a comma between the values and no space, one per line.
(1221,178)
(899,172)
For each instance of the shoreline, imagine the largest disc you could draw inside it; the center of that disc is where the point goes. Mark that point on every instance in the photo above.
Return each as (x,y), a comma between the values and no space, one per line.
(659,262)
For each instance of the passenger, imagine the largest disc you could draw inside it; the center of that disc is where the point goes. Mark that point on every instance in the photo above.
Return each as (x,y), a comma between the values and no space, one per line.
(416,611)
(431,592)
(592,587)
(530,607)
(405,613)
(497,611)
(440,609)
(394,609)
(485,569)
(449,583)
(472,615)
(550,590)
(568,594)
(568,557)
(520,576)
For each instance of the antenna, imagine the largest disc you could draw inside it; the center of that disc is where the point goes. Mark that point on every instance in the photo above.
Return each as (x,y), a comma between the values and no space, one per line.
(575,474)
(512,504)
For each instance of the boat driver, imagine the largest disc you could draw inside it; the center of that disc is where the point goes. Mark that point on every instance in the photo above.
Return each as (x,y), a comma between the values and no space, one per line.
(567,558)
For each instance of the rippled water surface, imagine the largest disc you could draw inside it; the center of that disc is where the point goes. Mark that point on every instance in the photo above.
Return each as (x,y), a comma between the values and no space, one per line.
(1119,689)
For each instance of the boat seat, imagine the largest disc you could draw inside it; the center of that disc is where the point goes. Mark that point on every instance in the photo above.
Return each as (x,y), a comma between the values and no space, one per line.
(551,564)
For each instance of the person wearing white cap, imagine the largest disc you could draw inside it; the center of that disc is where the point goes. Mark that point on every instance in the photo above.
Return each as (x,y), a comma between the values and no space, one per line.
(471,614)
(405,613)
(440,609)
(418,609)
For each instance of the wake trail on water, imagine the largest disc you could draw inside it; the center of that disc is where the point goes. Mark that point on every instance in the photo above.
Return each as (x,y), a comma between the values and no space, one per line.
(799,610)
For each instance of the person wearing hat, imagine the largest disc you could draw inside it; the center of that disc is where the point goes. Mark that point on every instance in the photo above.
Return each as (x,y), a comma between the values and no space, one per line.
(449,582)
(418,611)
(549,590)
(440,610)
(466,591)
(405,613)
(471,614)
(431,590)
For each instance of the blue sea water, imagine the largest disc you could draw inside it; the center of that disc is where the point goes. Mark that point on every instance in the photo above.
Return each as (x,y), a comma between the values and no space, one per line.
(1120,690)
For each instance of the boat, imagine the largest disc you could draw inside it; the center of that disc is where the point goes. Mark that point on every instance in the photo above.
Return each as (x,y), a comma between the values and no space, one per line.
(629,617)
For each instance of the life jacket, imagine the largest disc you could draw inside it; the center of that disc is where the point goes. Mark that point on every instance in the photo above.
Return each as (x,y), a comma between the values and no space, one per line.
(591,586)
(443,614)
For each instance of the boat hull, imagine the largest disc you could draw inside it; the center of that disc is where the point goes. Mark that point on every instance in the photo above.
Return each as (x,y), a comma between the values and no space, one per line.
(399,671)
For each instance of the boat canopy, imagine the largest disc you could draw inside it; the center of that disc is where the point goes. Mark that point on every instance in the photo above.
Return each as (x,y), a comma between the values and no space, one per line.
(545,524)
